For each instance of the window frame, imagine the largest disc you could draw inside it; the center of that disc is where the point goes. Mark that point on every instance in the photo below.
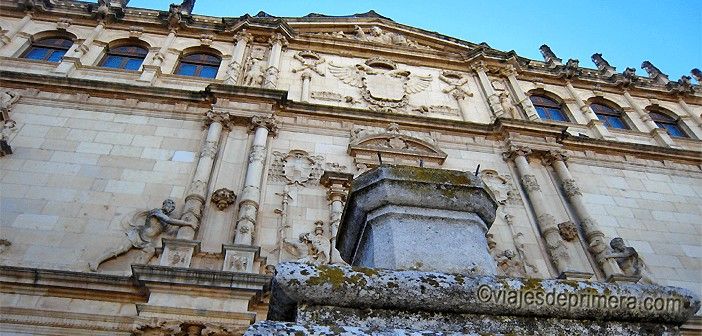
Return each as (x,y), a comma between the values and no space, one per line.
(548,105)
(200,65)
(607,113)
(50,49)
(124,57)
(661,119)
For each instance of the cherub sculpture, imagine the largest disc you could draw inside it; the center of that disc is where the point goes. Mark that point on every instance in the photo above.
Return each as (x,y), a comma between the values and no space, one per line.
(144,236)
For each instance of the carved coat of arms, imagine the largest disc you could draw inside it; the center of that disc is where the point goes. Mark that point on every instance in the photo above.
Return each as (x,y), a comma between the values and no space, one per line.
(382,83)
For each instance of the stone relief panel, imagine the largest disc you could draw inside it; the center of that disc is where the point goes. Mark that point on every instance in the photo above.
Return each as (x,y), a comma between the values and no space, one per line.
(310,61)
(377,35)
(382,84)
(296,167)
(391,145)
(255,68)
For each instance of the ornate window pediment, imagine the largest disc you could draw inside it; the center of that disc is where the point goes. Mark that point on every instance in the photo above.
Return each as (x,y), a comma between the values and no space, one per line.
(393,146)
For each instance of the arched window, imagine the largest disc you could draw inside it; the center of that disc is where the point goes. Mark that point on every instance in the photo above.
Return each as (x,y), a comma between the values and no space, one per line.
(49,49)
(670,124)
(199,65)
(609,116)
(548,108)
(128,57)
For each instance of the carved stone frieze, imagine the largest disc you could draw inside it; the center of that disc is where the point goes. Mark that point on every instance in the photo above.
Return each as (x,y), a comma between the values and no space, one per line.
(436,109)
(223,198)
(382,84)
(375,35)
(296,167)
(394,146)
(568,230)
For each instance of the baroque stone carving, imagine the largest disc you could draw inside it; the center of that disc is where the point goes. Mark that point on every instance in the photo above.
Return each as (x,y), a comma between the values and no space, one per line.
(568,230)
(223,198)
(601,63)
(7,128)
(143,235)
(530,183)
(501,187)
(507,105)
(571,188)
(508,263)
(456,81)
(270,123)
(315,245)
(572,68)
(255,73)
(549,56)
(697,74)
(628,260)
(394,146)
(309,60)
(8,99)
(382,84)
(652,70)
(296,167)
(376,35)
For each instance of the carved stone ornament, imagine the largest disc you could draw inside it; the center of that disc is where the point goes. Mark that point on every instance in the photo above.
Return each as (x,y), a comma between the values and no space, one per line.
(436,109)
(456,81)
(375,35)
(571,188)
(394,146)
(572,68)
(309,60)
(629,76)
(568,230)
(5,131)
(530,183)
(223,198)
(255,73)
(382,84)
(270,123)
(296,167)
(501,186)
(4,245)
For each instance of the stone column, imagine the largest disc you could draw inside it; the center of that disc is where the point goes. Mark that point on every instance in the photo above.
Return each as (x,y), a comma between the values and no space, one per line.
(493,100)
(337,184)
(153,67)
(242,39)
(6,38)
(660,135)
(183,245)
(305,94)
(593,235)
(522,98)
(277,42)
(72,58)
(555,246)
(594,123)
(248,204)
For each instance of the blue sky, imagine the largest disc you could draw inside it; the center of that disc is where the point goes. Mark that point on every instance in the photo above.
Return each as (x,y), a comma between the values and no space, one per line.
(667,33)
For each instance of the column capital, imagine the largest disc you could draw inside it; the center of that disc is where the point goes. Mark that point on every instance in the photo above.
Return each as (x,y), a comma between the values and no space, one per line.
(554,155)
(270,123)
(221,117)
(479,66)
(515,151)
(278,38)
(243,35)
(508,70)
(337,183)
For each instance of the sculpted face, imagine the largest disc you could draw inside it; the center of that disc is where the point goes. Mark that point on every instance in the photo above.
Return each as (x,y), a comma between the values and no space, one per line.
(168,206)
(617,244)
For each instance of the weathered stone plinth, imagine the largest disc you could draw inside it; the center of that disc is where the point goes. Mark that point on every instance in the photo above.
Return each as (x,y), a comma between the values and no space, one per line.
(401,217)
(337,299)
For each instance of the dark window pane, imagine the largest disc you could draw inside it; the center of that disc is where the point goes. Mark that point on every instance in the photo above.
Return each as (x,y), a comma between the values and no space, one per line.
(37,53)
(186,69)
(556,114)
(56,56)
(208,72)
(112,62)
(133,64)
(615,122)
(542,112)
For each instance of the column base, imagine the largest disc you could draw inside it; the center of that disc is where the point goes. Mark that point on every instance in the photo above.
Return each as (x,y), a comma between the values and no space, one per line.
(178,252)
(241,258)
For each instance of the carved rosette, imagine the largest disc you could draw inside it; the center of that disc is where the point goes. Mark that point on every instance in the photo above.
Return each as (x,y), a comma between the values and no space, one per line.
(571,188)
(530,183)
(223,198)
(568,231)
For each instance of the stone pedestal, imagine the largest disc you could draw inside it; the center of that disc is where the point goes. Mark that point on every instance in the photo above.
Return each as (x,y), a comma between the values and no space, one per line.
(401,217)
(241,258)
(178,252)
(410,218)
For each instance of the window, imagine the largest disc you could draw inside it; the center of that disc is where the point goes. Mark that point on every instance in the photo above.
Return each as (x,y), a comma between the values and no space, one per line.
(609,116)
(126,57)
(199,65)
(669,124)
(548,109)
(49,49)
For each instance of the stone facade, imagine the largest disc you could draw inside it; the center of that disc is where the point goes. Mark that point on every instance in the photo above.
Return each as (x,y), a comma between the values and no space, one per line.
(259,159)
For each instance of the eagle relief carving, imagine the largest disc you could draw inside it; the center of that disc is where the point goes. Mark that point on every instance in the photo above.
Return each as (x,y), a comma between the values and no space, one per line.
(382,84)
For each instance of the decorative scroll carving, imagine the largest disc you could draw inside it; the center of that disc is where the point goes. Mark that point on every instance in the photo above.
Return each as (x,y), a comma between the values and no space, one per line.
(501,187)
(456,81)
(223,198)
(8,99)
(296,167)
(394,146)
(375,35)
(382,84)
(519,244)
(568,230)
(145,228)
